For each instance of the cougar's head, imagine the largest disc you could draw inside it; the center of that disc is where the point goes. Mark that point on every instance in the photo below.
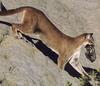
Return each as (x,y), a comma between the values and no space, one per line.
(90,47)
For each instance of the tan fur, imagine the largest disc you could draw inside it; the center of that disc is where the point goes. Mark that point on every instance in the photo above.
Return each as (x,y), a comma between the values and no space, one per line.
(34,19)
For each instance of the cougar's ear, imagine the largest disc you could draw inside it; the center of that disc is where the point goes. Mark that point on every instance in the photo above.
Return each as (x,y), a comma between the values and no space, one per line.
(91,34)
(88,35)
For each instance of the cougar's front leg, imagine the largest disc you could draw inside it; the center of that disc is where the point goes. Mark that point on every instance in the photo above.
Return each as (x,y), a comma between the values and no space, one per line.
(81,68)
(76,65)
(84,72)
(61,62)
(74,62)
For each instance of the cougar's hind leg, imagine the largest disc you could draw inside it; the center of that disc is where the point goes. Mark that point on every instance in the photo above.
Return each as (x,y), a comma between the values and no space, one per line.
(29,21)
(13,31)
(15,28)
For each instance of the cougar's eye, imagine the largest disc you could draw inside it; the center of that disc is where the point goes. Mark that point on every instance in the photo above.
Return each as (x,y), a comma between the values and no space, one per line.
(90,42)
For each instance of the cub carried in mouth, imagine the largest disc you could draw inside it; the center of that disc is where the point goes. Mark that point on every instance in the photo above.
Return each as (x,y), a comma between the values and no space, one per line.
(35,21)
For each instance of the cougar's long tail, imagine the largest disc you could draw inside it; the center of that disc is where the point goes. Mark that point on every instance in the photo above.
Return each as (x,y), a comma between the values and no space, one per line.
(6,23)
(5,12)
(2,7)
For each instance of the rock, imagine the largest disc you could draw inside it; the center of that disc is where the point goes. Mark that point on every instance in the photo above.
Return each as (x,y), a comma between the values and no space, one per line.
(23,65)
